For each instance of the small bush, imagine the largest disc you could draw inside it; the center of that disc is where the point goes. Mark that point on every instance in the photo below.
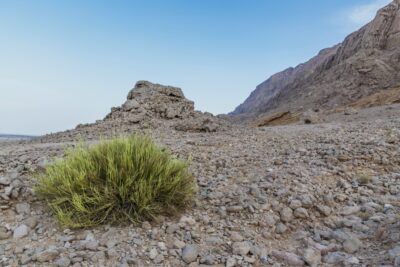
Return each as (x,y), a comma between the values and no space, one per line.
(127,179)
(363,179)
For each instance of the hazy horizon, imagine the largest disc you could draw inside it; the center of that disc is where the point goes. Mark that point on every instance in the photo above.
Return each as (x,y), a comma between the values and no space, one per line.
(69,62)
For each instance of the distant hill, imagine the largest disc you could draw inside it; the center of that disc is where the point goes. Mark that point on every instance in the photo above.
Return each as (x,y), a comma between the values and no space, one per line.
(15,137)
(366,62)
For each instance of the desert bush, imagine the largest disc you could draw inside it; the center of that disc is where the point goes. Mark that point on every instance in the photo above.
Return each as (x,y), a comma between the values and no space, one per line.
(126,179)
(363,179)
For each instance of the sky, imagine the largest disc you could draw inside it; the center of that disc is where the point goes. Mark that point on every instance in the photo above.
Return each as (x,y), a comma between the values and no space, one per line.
(68,62)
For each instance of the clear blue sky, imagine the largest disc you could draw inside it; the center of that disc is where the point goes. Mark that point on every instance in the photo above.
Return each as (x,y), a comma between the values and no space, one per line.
(68,62)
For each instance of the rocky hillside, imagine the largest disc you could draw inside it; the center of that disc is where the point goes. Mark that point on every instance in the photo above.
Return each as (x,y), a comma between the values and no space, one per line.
(148,106)
(365,62)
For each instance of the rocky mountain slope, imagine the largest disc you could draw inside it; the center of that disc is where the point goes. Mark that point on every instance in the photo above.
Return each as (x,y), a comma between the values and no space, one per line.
(367,61)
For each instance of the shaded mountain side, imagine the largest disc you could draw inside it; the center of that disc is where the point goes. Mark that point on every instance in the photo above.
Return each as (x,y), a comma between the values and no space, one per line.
(381,98)
(368,60)
(386,97)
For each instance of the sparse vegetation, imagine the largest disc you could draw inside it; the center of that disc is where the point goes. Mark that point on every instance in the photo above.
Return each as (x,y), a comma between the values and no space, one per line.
(364,179)
(127,179)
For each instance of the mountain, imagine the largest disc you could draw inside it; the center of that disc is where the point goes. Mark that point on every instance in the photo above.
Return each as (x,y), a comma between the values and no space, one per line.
(366,62)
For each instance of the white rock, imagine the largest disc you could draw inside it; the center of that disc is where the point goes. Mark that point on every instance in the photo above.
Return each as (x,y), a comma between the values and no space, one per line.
(312,257)
(241,248)
(190,253)
(230,262)
(23,208)
(301,213)
(325,210)
(395,252)
(21,231)
(352,245)
(153,253)
(5,180)
(289,258)
(294,204)
(236,237)
(187,220)
(63,262)
(352,261)
(47,255)
(286,214)
(349,210)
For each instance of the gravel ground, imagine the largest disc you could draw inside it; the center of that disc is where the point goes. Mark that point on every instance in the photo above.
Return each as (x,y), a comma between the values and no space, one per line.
(319,195)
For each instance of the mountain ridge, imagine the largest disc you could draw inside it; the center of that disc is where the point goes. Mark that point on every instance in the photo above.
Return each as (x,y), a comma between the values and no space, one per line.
(366,61)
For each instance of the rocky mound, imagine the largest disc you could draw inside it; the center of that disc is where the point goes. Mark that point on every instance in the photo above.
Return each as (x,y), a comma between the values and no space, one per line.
(366,62)
(153,101)
(148,106)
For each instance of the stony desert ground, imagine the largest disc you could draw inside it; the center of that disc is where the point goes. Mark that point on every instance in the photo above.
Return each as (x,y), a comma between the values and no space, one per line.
(318,195)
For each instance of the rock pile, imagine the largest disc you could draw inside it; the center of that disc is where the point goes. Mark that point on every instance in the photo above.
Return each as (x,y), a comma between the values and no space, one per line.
(152,103)
(148,106)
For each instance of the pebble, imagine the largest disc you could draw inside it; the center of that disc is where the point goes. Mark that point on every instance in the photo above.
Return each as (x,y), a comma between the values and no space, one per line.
(47,255)
(241,248)
(21,231)
(280,228)
(352,245)
(335,258)
(190,253)
(351,261)
(23,208)
(153,253)
(5,180)
(325,210)
(346,211)
(25,259)
(179,244)
(4,234)
(312,257)
(63,262)
(286,214)
(92,245)
(394,252)
(236,237)
(31,222)
(187,220)
(208,260)
(295,204)
(301,213)
(289,258)
(230,262)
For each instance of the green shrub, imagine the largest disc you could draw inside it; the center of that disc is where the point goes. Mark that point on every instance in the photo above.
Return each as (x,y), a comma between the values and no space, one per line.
(363,179)
(126,179)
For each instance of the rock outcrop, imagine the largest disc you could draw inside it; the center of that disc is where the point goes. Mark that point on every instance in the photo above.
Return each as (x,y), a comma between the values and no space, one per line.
(148,106)
(148,101)
(367,61)
(157,105)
